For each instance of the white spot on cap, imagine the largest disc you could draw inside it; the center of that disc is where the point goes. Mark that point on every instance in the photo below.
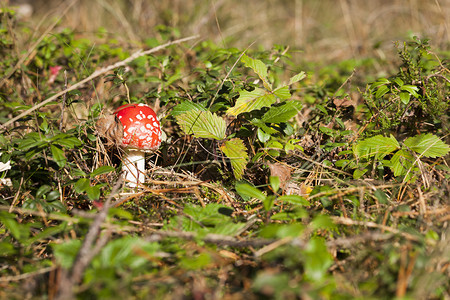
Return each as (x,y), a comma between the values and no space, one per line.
(120,117)
(149,126)
(143,130)
(131,120)
(139,117)
(155,124)
(150,117)
(131,129)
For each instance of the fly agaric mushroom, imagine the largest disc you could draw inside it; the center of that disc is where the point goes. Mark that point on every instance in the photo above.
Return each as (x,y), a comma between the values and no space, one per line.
(141,133)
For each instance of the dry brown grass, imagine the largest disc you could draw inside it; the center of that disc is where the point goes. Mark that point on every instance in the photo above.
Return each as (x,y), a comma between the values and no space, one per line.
(325,30)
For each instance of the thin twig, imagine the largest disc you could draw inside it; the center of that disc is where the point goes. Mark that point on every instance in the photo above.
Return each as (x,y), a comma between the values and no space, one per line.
(63,104)
(98,73)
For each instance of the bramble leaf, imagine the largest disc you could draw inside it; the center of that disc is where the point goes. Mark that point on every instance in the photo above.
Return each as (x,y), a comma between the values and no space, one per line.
(297,78)
(236,151)
(282,92)
(185,107)
(202,124)
(427,145)
(282,113)
(253,100)
(378,146)
(258,67)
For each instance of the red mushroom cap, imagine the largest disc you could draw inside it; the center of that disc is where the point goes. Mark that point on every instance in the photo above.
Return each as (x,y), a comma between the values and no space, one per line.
(141,128)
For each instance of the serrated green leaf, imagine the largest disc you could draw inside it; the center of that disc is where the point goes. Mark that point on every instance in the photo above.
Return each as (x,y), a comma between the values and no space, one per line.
(282,92)
(236,151)
(297,78)
(401,162)
(248,190)
(427,145)
(58,155)
(249,101)
(378,146)
(186,106)
(203,124)
(282,113)
(262,125)
(258,67)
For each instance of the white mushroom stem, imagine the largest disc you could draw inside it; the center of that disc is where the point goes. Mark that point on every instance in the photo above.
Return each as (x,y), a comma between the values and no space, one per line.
(133,167)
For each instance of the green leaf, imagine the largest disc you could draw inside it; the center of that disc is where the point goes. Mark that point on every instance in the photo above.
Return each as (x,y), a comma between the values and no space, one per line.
(65,140)
(297,77)
(412,89)
(81,185)
(405,97)
(381,196)
(8,220)
(49,231)
(282,113)
(427,145)
(378,146)
(328,131)
(317,259)
(268,202)
(185,107)
(282,92)
(66,252)
(203,124)
(274,183)
(249,191)
(381,91)
(294,199)
(6,249)
(236,151)
(249,101)
(381,81)
(93,192)
(262,136)
(401,162)
(262,125)
(58,155)
(358,173)
(258,67)
(398,81)
(101,170)
(33,139)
